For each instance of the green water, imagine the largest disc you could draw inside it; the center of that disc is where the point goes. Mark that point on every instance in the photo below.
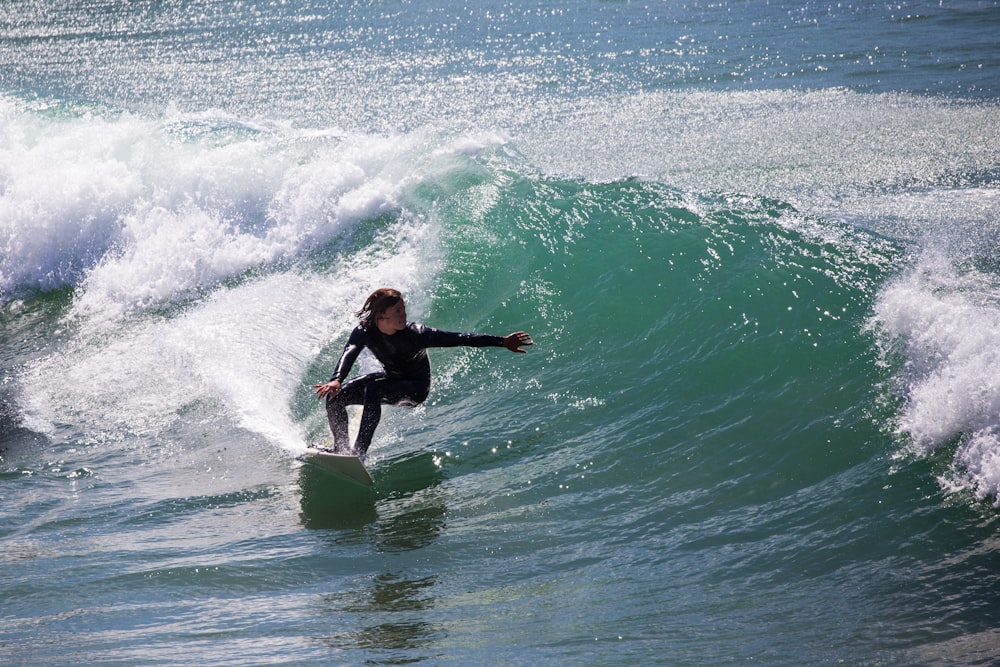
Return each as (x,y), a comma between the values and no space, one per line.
(755,245)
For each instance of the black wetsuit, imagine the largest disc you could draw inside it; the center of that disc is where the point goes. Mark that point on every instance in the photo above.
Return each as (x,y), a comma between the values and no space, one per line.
(405,380)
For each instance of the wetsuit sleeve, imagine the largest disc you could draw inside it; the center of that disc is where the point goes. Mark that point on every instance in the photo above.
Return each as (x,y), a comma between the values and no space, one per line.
(436,338)
(355,343)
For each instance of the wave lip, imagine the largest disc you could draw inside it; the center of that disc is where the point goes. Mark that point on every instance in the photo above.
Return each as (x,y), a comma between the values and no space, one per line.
(139,213)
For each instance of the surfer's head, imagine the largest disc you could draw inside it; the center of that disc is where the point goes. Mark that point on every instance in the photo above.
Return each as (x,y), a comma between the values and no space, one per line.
(375,306)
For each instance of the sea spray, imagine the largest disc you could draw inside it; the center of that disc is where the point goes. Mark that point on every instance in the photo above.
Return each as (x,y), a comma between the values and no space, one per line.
(944,322)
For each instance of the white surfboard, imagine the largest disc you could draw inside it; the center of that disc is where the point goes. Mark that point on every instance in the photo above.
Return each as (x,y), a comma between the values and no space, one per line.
(346,466)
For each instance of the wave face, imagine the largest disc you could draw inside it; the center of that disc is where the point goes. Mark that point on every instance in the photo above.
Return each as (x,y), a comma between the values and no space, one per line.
(760,419)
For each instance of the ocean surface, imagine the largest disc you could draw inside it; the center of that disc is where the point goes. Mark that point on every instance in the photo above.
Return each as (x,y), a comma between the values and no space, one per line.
(757,245)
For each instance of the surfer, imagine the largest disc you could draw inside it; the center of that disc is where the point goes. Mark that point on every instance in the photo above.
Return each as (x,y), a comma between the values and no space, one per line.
(401,348)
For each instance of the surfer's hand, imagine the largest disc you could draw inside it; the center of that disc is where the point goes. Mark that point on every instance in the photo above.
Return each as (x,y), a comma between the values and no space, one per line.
(328,390)
(514,341)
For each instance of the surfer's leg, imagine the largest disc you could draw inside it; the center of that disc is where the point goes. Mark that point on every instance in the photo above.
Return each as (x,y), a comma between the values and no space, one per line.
(371,415)
(336,414)
(379,393)
(352,393)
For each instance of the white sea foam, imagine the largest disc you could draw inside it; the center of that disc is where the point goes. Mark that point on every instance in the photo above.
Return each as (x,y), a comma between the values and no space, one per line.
(261,202)
(137,213)
(64,187)
(242,352)
(186,216)
(947,326)
(827,151)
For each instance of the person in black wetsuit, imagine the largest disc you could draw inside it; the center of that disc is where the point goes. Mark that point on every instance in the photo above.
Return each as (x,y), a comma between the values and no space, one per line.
(401,348)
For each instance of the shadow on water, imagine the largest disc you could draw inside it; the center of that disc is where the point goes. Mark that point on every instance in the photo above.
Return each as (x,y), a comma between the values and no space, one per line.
(407,474)
(384,619)
(328,501)
(394,607)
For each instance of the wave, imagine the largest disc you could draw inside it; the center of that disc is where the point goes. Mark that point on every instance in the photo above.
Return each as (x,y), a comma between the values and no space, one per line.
(214,263)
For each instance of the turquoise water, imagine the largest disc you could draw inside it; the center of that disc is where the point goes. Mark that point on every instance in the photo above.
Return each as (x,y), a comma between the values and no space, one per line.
(756,246)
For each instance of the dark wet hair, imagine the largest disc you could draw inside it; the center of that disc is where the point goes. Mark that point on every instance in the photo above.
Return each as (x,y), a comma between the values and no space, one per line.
(380,301)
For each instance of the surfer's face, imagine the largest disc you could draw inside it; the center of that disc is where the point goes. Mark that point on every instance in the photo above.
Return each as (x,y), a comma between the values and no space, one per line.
(393,319)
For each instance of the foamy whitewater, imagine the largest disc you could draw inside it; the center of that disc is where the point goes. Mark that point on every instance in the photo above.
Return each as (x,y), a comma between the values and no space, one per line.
(757,246)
